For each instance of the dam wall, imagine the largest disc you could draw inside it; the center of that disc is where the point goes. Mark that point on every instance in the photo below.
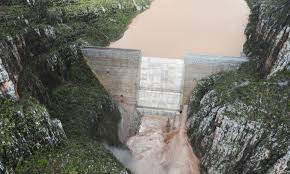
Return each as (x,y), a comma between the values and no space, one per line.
(198,66)
(160,87)
(117,70)
(151,85)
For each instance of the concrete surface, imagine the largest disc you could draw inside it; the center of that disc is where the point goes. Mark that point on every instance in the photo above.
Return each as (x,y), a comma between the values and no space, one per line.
(151,85)
(200,66)
(160,87)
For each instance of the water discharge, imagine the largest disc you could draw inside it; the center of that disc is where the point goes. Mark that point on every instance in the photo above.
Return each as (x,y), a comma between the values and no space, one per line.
(172,28)
(160,147)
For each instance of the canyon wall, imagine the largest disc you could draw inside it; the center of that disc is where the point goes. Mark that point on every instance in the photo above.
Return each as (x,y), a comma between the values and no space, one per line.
(239,120)
(268,39)
(54,112)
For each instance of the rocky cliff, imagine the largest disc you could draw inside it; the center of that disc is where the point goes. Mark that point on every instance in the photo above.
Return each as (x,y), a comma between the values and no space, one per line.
(268,38)
(239,121)
(25,127)
(54,112)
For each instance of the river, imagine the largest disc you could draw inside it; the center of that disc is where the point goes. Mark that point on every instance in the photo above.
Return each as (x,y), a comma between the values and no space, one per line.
(172,28)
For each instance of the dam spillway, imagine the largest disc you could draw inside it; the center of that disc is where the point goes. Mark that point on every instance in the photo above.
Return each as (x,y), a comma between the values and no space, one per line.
(151,85)
(160,86)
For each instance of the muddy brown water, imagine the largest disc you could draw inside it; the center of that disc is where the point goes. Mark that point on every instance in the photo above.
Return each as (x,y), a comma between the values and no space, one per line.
(172,28)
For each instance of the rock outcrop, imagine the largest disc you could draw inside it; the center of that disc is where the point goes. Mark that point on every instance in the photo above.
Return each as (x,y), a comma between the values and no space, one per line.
(239,121)
(268,38)
(31,52)
(236,132)
(41,64)
(25,127)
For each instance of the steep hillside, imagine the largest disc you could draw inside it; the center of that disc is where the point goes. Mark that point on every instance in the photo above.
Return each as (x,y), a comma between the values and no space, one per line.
(239,121)
(44,78)
(268,38)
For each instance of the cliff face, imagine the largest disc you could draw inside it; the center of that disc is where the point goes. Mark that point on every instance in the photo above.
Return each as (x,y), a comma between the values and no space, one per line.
(241,127)
(31,52)
(239,121)
(268,38)
(25,127)
(43,75)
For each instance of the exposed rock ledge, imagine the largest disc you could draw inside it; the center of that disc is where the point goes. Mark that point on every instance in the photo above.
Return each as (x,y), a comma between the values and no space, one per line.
(25,127)
(239,121)
(234,133)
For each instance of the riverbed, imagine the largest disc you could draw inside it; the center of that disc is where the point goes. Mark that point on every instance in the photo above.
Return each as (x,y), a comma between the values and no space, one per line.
(173,28)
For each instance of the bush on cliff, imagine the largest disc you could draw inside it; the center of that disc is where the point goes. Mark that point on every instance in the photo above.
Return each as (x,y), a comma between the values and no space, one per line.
(25,126)
(239,123)
(75,157)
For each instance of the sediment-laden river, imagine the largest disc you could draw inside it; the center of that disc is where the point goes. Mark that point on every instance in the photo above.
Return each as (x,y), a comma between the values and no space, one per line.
(172,28)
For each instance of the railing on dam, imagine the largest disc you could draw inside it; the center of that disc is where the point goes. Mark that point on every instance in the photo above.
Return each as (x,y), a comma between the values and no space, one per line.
(154,86)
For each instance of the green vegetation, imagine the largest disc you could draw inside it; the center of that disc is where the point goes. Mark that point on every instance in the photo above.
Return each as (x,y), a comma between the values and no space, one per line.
(250,97)
(262,44)
(268,99)
(75,157)
(84,107)
(88,116)
(52,70)
(230,107)
(98,32)
(96,21)
(8,15)
(247,98)
(24,124)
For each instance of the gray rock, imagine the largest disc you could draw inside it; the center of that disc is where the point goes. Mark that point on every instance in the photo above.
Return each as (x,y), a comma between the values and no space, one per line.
(237,137)
(25,129)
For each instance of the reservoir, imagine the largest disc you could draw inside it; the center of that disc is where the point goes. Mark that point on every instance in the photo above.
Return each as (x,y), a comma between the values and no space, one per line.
(173,28)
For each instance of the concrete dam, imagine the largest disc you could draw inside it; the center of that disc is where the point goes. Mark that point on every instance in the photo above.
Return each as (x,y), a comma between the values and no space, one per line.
(151,85)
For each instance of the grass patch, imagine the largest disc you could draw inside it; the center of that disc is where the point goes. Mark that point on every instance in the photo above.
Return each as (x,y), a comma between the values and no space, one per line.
(75,157)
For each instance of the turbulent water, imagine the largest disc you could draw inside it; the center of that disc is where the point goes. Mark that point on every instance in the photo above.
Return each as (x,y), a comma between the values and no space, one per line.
(172,28)
(159,147)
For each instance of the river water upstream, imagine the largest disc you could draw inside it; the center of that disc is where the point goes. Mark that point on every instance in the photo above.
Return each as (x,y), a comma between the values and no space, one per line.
(172,28)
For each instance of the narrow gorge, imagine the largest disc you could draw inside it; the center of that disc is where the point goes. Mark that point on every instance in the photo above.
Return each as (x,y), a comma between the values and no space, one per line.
(72,104)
